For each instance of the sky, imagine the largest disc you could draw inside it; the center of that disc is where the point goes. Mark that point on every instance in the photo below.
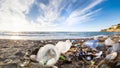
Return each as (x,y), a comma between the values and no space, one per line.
(58,15)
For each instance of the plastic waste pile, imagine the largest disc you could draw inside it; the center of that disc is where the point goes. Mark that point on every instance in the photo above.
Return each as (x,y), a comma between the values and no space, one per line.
(50,55)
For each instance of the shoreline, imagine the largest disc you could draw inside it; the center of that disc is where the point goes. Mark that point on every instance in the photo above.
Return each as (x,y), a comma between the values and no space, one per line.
(54,36)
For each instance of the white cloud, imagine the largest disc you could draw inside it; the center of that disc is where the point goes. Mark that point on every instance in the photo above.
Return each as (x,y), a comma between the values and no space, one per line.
(81,19)
(80,16)
(51,12)
(13,15)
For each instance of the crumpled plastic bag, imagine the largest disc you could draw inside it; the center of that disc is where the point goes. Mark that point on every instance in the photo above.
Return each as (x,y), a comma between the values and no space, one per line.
(109,41)
(116,47)
(91,43)
(63,46)
(48,55)
(111,56)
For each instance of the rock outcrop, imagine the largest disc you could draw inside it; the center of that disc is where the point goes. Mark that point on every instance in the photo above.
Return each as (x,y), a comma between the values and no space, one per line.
(114,28)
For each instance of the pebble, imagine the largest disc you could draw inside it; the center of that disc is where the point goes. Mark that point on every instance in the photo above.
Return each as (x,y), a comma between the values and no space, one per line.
(19,53)
(33,57)
(25,64)
(8,61)
(54,67)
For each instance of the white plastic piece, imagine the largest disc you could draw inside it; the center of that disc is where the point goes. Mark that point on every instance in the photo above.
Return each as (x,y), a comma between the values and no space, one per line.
(111,56)
(98,55)
(48,55)
(116,47)
(63,46)
(108,41)
(91,43)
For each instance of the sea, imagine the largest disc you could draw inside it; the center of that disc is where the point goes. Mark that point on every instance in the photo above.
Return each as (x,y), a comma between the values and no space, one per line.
(52,35)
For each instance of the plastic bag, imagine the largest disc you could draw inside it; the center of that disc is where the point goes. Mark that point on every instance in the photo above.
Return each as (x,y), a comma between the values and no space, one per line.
(91,43)
(111,56)
(48,55)
(116,47)
(63,46)
(108,41)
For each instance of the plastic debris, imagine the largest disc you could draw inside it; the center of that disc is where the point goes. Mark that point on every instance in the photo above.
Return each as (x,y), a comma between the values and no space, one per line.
(92,62)
(62,57)
(96,37)
(25,64)
(111,56)
(98,55)
(76,45)
(63,46)
(116,47)
(88,58)
(48,55)
(109,41)
(91,43)
(100,47)
(74,41)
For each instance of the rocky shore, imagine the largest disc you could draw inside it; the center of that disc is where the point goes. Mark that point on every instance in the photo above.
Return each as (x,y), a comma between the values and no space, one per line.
(12,52)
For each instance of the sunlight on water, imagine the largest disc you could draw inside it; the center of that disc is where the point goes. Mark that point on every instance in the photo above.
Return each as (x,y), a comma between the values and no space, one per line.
(15,37)
(51,35)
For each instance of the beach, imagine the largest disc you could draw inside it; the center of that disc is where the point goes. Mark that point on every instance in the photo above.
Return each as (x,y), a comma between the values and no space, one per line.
(59,33)
(12,52)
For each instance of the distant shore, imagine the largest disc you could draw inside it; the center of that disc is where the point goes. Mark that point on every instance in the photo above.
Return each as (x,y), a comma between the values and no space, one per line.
(113,28)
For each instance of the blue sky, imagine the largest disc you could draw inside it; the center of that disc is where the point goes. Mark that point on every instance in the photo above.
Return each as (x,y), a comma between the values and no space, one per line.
(108,16)
(58,15)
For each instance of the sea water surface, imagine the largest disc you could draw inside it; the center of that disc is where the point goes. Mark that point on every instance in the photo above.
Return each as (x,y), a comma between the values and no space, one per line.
(52,35)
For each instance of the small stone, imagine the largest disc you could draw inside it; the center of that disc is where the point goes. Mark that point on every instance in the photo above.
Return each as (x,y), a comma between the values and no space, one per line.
(19,53)
(28,52)
(33,57)
(54,67)
(8,61)
(26,63)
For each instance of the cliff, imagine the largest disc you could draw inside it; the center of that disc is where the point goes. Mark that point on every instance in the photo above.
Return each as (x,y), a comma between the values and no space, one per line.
(114,28)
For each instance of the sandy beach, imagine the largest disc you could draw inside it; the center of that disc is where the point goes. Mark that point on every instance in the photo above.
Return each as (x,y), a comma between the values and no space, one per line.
(12,52)
(59,33)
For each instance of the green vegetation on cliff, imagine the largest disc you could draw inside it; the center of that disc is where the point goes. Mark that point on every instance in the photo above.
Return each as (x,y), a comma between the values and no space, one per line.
(114,28)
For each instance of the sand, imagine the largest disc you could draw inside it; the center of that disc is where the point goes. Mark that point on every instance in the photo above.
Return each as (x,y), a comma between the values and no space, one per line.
(13,51)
